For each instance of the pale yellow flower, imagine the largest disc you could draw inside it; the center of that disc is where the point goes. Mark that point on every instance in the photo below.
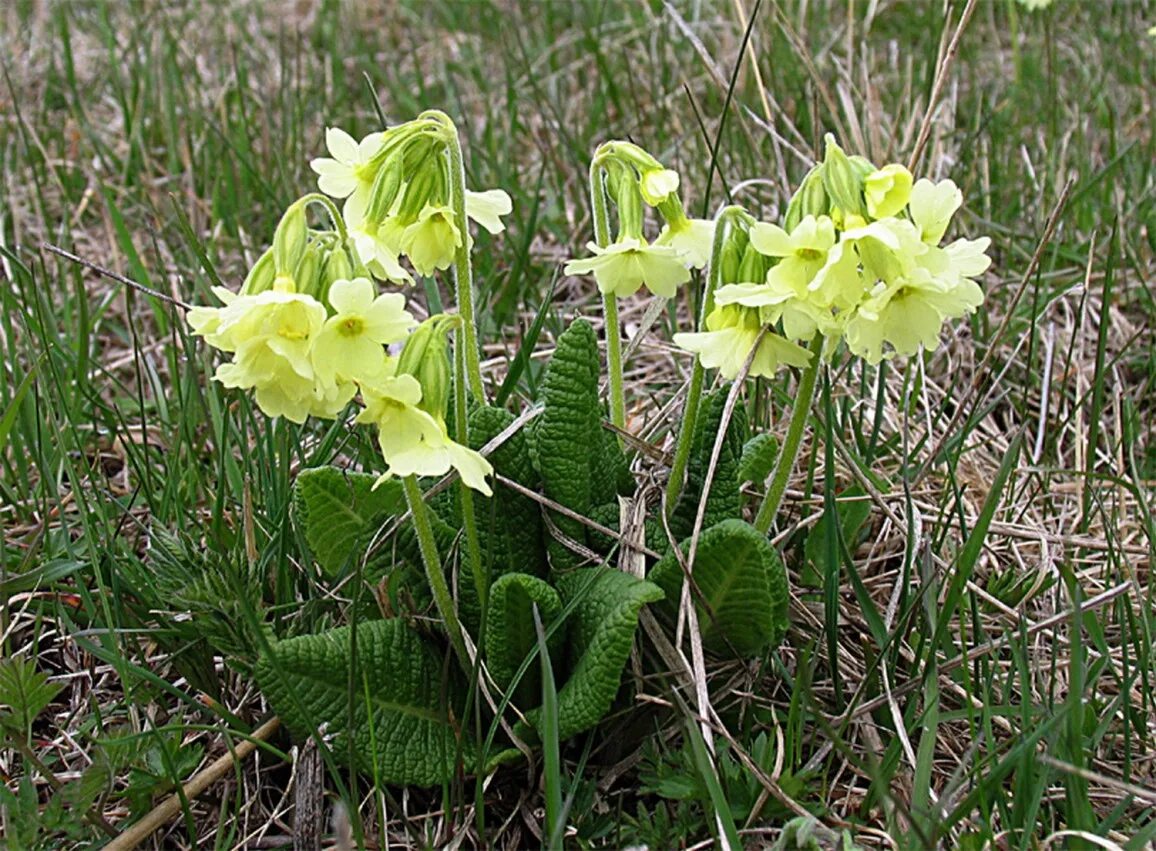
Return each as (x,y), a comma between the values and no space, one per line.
(348,173)
(931,207)
(623,267)
(378,246)
(487,208)
(732,332)
(350,346)
(432,240)
(693,237)
(414,443)
(887,190)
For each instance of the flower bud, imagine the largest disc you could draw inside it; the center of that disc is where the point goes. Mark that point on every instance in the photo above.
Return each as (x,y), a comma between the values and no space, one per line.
(809,200)
(386,187)
(424,188)
(260,277)
(658,184)
(629,209)
(307,275)
(842,180)
(752,267)
(426,357)
(731,257)
(337,265)
(289,239)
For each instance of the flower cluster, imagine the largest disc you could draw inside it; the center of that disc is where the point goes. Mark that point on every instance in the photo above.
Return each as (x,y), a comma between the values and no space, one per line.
(309,331)
(633,178)
(860,260)
(397,188)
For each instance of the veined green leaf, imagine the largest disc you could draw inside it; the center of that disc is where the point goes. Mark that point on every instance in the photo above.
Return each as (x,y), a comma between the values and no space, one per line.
(398,713)
(339,511)
(758,459)
(569,431)
(743,604)
(725,499)
(509,524)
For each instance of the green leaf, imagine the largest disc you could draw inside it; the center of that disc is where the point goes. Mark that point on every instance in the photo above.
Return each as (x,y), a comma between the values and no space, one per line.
(610,475)
(568,432)
(339,512)
(725,500)
(510,634)
(742,609)
(394,706)
(25,692)
(603,609)
(758,459)
(509,524)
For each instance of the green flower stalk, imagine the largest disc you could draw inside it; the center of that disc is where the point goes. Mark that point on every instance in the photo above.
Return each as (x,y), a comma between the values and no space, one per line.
(633,179)
(431,561)
(463,269)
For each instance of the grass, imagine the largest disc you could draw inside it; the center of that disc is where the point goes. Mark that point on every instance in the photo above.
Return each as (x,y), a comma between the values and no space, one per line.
(971,661)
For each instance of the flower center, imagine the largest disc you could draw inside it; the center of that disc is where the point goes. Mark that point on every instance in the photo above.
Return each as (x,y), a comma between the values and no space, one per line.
(289,332)
(808,253)
(351,326)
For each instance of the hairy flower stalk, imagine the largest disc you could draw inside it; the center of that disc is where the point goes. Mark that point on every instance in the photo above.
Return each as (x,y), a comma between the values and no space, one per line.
(633,179)
(601,216)
(463,269)
(431,561)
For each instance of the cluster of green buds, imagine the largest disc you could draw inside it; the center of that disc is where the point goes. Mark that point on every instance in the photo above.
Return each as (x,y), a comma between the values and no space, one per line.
(303,259)
(633,179)
(398,187)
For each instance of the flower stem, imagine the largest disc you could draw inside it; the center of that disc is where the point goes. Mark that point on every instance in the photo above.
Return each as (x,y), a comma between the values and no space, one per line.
(601,215)
(793,442)
(724,221)
(433,568)
(463,270)
(334,213)
(469,519)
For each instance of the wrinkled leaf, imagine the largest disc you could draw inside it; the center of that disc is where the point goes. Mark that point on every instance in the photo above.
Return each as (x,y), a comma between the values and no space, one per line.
(510,634)
(743,605)
(599,634)
(758,459)
(339,512)
(569,431)
(400,721)
(509,524)
(725,499)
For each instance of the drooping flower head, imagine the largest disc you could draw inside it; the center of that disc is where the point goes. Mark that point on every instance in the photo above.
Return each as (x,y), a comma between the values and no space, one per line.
(624,267)
(732,332)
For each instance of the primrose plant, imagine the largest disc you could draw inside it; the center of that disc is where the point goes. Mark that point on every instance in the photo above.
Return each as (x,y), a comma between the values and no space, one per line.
(518,561)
